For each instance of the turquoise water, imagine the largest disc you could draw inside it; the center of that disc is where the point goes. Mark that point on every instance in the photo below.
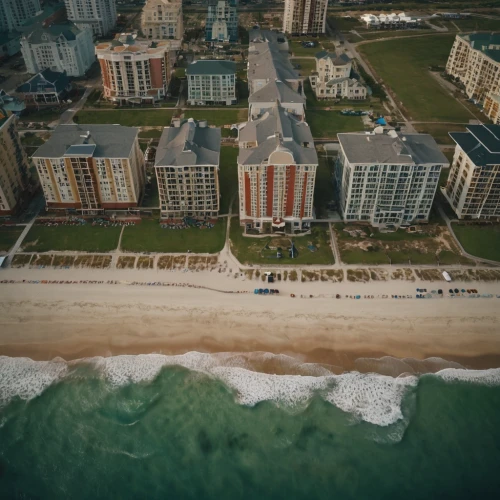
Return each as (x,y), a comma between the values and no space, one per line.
(140,427)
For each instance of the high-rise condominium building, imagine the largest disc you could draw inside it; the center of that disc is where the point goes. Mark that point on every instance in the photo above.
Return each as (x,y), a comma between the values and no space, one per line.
(473,187)
(98,15)
(277,164)
(222,21)
(162,20)
(14,164)
(305,16)
(187,170)
(91,168)
(13,13)
(136,71)
(388,179)
(60,47)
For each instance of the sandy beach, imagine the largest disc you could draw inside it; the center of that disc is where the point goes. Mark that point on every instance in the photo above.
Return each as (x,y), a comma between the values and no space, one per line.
(81,320)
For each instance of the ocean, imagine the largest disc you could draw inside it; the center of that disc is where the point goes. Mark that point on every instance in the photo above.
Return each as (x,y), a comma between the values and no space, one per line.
(202,426)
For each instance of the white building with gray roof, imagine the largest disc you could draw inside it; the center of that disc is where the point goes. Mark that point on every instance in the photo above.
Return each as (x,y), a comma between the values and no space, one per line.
(277,165)
(389,179)
(211,82)
(91,168)
(187,170)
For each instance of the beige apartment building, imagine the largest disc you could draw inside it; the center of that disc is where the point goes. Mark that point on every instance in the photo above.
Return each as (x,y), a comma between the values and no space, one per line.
(136,71)
(332,78)
(475,61)
(162,20)
(187,170)
(492,107)
(305,16)
(14,165)
(91,168)
(473,186)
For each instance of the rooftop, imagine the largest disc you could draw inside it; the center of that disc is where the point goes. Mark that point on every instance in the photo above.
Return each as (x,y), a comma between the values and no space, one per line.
(337,60)
(393,148)
(188,145)
(44,79)
(481,143)
(108,141)
(37,34)
(11,103)
(487,43)
(274,91)
(128,42)
(267,61)
(211,67)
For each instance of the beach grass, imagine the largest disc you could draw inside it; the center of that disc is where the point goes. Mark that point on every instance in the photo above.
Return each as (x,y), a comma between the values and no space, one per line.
(149,236)
(85,238)
(480,241)
(8,236)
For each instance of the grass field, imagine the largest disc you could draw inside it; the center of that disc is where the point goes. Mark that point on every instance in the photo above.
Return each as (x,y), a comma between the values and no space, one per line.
(8,236)
(77,238)
(307,66)
(127,117)
(403,65)
(472,24)
(250,250)
(440,131)
(228,176)
(148,236)
(480,241)
(217,117)
(298,50)
(393,34)
(327,124)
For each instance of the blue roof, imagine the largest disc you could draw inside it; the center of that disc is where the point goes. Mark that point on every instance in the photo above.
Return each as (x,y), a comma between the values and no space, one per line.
(44,80)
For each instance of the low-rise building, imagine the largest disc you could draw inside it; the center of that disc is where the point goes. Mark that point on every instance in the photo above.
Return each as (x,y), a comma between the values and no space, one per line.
(162,20)
(222,21)
(332,78)
(475,61)
(136,71)
(211,82)
(390,21)
(187,170)
(60,47)
(11,104)
(91,168)
(387,180)
(14,165)
(47,88)
(473,186)
(277,164)
(492,107)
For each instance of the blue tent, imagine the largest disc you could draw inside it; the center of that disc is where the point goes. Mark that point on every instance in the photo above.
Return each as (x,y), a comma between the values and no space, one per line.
(381,121)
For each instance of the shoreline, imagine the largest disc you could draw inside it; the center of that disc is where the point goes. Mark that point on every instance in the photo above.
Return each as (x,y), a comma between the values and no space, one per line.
(75,321)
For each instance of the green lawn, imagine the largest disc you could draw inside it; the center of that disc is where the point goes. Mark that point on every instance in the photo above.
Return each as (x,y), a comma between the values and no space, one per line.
(8,236)
(297,49)
(472,24)
(148,236)
(346,23)
(440,131)
(304,66)
(151,196)
(480,241)
(250,250)
(127,117)
(327,124)
(393,34)
(77,238)
(403,65)
(218,117)
(228,176)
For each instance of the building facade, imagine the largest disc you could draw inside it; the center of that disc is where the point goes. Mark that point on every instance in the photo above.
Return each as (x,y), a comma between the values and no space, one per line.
(222,21)
(305,16)
(492,107)
(475,61)
(47,88)
(162,20)
(59,47)
(14,13)
(393,21)
(90,168)
(387,180)
(473,186)
(136,71)
(97,15)
(14,165)
(211,82)
(187,170)
(332,78)
(277,164)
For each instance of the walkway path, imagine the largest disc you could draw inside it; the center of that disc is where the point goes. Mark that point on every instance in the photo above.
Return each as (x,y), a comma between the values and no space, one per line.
(335,248)
(19,242)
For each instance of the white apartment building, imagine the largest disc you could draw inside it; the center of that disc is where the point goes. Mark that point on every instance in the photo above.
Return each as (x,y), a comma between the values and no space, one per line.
(91,168)
(13,13)
(136,71)
(389,21)
(14,164)
(187,170)
(98,15)
(211,82)
(475,61)
(332,78)
(305,16)
(277,164)
(60,47)
(222,21)
(473,186)
(162,20)
(387,180)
